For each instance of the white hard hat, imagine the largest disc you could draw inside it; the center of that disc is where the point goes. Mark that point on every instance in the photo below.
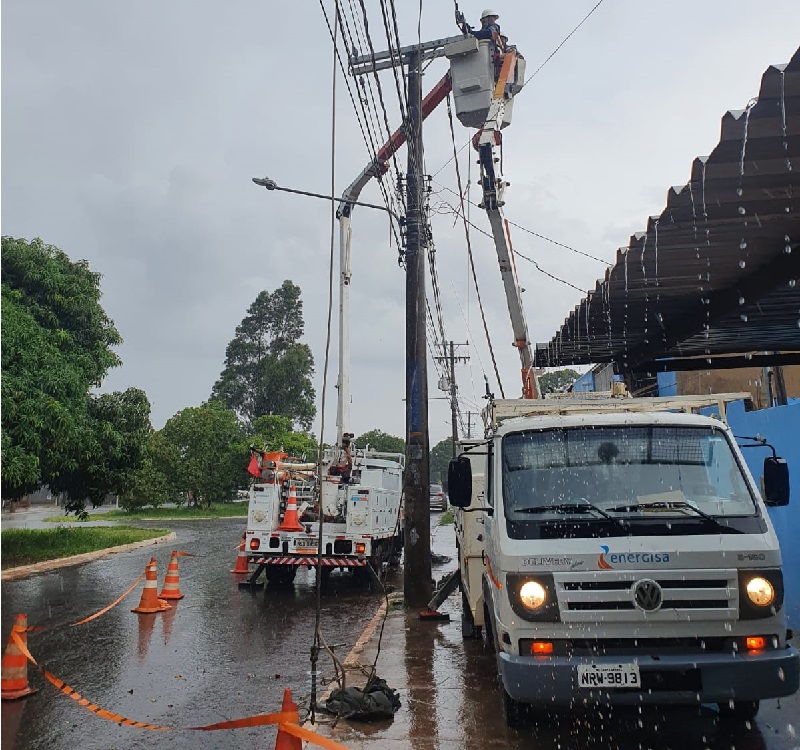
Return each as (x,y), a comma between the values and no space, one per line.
(489,12)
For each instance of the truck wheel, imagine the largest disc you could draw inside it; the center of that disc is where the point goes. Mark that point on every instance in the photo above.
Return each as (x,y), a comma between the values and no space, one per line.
(515,713)
(488,631)
(281,575)
(468,627)
(739,711)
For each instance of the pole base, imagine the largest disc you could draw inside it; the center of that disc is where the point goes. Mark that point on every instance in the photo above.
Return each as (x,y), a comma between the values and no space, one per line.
(433,615)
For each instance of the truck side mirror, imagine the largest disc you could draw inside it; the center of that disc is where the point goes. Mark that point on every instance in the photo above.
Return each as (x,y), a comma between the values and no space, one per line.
(459,482)
(776,481)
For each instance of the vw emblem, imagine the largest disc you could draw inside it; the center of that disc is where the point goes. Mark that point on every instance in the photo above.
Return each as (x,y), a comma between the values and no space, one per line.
(647,595)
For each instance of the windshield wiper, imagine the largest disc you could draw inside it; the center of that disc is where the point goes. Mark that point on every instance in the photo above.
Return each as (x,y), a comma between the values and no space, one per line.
(570,508)
(679,505)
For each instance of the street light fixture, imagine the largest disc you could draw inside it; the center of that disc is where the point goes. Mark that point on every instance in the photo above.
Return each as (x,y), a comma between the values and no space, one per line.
(270,184)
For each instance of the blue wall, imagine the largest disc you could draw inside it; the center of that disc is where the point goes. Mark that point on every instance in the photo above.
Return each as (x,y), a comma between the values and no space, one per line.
(584,384)
(780,426)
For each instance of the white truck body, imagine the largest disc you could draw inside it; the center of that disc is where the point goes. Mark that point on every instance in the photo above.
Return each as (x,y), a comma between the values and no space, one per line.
(361,517)
(645,582)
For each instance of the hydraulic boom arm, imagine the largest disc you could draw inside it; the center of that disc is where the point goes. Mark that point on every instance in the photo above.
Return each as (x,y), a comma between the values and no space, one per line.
(377,168)
(488,142)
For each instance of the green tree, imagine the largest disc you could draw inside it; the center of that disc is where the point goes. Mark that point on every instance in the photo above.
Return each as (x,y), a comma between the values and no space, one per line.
(57,343)
(441,453)
(153,483)
(274,433)
(211,452)
(104,454)
(267,370)
(381,441)
(558,381)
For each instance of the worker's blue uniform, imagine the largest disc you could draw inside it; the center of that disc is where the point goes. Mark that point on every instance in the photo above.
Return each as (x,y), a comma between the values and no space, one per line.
(487,33)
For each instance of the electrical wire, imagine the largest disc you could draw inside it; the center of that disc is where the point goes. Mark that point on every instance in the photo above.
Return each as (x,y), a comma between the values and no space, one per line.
(529,231)
(318,639)
(566,39)
(469,252)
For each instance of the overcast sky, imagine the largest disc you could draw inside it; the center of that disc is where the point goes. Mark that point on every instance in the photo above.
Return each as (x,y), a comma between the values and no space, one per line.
(131,132)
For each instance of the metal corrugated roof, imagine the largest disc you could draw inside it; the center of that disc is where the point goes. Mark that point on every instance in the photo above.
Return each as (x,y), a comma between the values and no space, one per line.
(716,273)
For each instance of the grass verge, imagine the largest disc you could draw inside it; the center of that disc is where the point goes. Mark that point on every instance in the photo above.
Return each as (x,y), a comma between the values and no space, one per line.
(26,546)
(446,518)
(217,510)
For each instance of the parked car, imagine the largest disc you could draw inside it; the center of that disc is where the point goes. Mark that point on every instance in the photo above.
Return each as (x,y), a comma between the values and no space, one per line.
(438,497)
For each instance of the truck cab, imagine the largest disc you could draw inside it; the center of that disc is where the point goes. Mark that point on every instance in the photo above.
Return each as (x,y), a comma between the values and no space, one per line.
(629,559)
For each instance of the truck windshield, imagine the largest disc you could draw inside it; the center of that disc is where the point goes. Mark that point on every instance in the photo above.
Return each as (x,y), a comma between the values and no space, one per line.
(627,473)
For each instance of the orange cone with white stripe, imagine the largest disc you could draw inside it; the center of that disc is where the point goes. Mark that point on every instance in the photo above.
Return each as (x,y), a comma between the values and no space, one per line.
(290,520)
(15,665)
(171,588)
(284,740)
(242,565)
(150,603)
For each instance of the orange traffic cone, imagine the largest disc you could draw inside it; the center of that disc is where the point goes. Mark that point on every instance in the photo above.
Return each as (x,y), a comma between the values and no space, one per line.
(241,560)
(171,589)
(15,665)
(290,520)
(150,603)
(284,740)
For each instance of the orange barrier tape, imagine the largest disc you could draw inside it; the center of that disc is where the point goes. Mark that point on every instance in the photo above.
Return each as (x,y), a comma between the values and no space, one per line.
(312,737)
(95,709)
(113,604)
(21,645)
(259,720)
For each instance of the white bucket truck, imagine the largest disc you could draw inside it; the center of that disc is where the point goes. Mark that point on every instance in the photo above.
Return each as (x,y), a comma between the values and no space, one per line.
(618,551)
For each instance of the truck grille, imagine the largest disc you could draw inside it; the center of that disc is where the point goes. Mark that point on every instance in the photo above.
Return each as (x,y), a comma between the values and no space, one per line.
(684,594)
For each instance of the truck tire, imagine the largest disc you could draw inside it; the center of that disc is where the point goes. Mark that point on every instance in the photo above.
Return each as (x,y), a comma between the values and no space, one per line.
(739,711)
(469,630)
(281,575)
(488,631)
(514,712)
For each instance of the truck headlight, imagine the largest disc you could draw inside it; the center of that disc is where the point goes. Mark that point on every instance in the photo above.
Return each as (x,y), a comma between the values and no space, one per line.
(760,591)
(532,595)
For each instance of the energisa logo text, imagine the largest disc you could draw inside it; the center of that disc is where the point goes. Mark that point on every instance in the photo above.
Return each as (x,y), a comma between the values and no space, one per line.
(607,560)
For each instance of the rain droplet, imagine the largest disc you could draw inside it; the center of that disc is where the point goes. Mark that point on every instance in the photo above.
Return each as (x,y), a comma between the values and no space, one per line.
(739,192)
(742,212)
(792,283)
(743,244)
(742,263)
(744,318)
(787,249)
(741,300)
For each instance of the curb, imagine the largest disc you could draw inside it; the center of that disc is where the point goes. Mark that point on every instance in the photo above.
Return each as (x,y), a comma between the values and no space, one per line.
(23,571)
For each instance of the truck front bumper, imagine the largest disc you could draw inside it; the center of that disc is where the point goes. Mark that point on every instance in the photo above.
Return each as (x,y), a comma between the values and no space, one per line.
(691,679)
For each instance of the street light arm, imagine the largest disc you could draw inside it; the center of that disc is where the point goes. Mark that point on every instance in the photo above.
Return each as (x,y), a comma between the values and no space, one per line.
(269,184)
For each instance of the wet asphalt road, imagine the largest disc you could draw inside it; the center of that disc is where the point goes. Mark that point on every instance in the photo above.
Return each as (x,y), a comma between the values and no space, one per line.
(220,654)
(217,655)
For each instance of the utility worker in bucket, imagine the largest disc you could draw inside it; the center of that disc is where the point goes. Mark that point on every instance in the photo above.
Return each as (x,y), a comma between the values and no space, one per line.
(489,29)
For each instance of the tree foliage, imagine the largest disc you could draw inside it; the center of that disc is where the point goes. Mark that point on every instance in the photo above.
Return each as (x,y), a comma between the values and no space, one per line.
(441,453)
(267,370)
(210,452)
(274,433)
(108,448)
(57,343)
(558,381)
(381,441)
(155,482)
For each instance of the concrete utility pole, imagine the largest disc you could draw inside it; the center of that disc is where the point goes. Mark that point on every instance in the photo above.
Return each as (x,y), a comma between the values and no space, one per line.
(451,368)
(417,583)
